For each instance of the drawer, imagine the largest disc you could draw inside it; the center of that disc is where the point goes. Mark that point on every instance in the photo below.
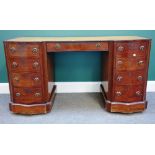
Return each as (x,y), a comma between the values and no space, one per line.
(124,64)
(131,49)
(129,78)
(25,64)
(24,50)
(128,93)
(77,46)
(26,79)
(27,95)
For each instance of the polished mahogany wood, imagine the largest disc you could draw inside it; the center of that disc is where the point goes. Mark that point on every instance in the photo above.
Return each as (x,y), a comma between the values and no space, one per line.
(124,89)
(124,64)
(28,77)
(126,108)
(27,95)
(30,65)
(128,93)
(33,109)
(24,49)
(25,64)
(130,78)
(123,107)
(77,46)
(130,49)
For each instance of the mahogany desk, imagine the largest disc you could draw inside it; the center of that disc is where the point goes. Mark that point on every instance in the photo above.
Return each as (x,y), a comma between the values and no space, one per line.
(31,72)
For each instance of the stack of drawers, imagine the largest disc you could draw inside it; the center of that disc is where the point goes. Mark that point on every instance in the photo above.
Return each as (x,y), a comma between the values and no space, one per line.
(130,71)
(25,68)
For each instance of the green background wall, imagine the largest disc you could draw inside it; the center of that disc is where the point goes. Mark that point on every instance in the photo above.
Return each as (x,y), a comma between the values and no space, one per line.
(74,66)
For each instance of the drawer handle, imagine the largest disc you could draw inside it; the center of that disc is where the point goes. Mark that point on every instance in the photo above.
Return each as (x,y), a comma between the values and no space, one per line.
(35,50)
(119,78)
(140,78)
(118,93)
(98,45)
(142,48)
(138,93)
(119,62)
(18,94)
(141,62)
(16,79)
(12,49)
(37,94)
(14,64)
(36,79)
(134,55)
(120,48)
(57,46)
(35,64)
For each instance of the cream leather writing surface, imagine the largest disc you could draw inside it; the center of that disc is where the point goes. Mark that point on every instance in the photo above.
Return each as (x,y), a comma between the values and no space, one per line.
(65,39)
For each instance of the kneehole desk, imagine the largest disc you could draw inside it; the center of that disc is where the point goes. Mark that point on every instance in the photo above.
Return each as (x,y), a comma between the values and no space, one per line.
(31,71)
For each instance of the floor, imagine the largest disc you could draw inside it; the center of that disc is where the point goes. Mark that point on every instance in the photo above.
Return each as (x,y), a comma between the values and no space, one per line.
(78,109)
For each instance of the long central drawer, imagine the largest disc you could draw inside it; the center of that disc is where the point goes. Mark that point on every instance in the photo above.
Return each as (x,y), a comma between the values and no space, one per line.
(77,46)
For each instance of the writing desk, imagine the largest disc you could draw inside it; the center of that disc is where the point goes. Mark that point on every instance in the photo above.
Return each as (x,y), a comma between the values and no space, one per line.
(31,71)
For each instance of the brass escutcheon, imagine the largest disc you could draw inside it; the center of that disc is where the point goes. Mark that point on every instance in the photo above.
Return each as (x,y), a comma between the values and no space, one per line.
(57,46)
(35,50)
(12,49)
(142,48)
(120,48)
(37,94)
(98,45)
(18,94)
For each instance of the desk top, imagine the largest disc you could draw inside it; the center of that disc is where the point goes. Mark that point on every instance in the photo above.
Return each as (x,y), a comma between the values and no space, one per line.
(72,39)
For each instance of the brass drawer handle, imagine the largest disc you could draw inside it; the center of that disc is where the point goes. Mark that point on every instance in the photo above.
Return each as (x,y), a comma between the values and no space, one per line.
(98,45)
(12,49)
(140,78)
(57,46)
(18,94)
(119,78)
(37,94)
(142,48)
(141,62)
(118,93)
(36,79)
(35,50)
(138,93)
(16,79)
(119,62)
(35,64)
(120,48)
(14,64)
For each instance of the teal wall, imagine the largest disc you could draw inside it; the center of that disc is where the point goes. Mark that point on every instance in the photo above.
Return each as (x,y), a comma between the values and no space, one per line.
(74,66)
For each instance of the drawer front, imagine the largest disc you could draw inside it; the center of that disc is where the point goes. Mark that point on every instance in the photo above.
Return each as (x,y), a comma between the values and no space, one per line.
(131,49)
(25,64)
(129,78)
(124,64)
(24,50)
(27,95)
(128,93)
(74,46)
(26,79)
